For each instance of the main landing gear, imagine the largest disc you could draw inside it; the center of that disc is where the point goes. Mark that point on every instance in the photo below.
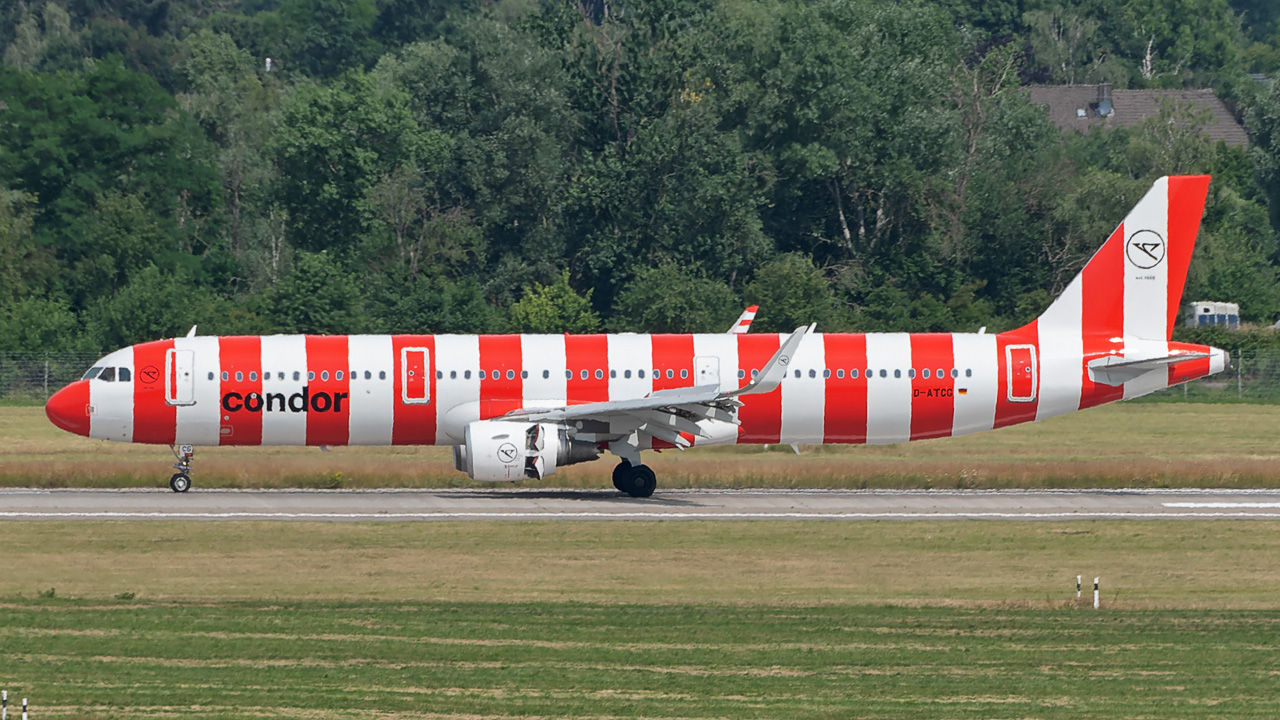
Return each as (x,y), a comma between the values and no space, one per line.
(635,480)
(181,480)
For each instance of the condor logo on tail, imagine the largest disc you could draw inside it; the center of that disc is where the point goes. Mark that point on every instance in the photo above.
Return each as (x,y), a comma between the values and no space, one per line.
(277,402)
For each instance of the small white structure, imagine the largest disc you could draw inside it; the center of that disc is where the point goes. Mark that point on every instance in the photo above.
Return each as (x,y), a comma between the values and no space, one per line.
(1205,312)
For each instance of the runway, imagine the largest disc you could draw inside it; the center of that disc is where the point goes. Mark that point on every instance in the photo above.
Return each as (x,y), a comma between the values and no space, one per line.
(528,504)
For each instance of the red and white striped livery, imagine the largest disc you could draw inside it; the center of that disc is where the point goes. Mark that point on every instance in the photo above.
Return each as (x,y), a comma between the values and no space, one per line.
(519,406)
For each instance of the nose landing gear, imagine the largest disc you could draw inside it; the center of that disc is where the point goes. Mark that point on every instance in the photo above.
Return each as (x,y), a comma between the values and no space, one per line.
(181,480)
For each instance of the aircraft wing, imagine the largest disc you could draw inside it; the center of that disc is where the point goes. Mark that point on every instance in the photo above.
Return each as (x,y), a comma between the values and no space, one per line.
(743,323)
(666,414)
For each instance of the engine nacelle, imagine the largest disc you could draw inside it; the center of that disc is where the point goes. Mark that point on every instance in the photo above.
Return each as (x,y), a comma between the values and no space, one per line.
(505,451)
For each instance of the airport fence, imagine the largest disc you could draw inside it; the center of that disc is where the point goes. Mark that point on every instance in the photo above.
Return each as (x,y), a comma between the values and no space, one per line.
(29,378)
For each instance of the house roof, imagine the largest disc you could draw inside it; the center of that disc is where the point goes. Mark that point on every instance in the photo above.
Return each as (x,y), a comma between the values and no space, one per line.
(1131,107)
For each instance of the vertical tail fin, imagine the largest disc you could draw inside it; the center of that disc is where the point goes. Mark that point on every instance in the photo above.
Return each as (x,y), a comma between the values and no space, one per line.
(1132,287)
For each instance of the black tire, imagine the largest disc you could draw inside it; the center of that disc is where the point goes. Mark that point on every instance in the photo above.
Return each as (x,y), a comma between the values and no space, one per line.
(639,481)
(180,482)
(619,475)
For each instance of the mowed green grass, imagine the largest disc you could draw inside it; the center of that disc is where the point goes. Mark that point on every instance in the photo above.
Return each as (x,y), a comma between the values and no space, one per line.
(527,660)
(1124,445)
(645,620)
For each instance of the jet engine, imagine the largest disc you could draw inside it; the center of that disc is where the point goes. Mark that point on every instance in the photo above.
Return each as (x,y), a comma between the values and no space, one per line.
(501,451)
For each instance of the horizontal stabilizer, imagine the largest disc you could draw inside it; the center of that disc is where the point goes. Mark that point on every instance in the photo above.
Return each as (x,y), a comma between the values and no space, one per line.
(1115,370)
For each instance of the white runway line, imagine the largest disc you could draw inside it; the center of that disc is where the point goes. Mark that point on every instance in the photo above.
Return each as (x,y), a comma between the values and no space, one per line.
(1080,515)
(1222,504)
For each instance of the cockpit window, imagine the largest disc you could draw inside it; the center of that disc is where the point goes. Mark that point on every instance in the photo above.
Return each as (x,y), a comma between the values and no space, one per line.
(92,373)
(123,375)
(108,375)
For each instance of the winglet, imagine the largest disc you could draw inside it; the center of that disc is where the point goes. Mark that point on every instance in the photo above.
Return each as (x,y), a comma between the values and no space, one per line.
(776,369)
(192,331)
(744,321)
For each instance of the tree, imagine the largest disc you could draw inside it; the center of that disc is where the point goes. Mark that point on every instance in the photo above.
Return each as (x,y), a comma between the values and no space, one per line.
(668,299)
(792,292)
(318,296)
(554,308)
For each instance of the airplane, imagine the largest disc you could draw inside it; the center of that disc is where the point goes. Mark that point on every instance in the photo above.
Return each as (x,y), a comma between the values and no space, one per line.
(516,407)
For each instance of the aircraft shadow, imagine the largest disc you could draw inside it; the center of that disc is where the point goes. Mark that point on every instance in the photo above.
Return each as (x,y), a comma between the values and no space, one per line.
(594,496)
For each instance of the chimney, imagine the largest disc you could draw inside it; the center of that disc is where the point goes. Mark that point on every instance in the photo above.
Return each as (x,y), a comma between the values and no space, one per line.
(1105,108)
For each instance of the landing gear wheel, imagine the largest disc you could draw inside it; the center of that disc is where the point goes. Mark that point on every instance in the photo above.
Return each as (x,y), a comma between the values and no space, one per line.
(638,481)
(179,483)
(619,473)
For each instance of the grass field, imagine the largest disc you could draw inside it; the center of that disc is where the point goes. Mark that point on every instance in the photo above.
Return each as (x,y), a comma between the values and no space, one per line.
(621,620)
(1138,445)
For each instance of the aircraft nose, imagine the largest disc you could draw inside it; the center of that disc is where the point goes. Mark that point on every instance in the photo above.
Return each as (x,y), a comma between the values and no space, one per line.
(69,408)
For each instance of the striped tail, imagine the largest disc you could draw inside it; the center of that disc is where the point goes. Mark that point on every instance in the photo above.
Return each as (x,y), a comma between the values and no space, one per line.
(1107,337)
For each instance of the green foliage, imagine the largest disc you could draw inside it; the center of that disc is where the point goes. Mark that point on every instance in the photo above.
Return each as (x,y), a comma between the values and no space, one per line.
(667,299)
(554,308)
(413,166)
(318,296)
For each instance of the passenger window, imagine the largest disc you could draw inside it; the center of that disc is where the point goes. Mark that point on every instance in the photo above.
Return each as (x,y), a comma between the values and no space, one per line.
(382,374)
(224,376)
(797,373)
(968,373)
(941,373)
(210,376)
(684,374)
(839,373)
(813,373)
(511,374)
(568,374)
(827,373)
(369,376)
(742,374)
(296,376)
(925,374)
(626,374)
(524,374)
(755,372)
(911,373)
(955,372)
(671,374)
(546,374)
(453,374)
(239,376)
(613,374)
(599,374)
(338,375)
(324,375)
(640,374)
(897,373)
(439,374)
(586,374)
(311,375)
(884,373)
(854,373)
(466,374)
(253,376)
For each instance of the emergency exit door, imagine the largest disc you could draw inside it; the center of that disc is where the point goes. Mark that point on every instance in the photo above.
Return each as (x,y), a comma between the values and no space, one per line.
(415,381)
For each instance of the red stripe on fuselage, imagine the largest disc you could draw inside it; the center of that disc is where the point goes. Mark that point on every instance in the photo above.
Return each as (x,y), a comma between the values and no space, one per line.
(760,415)
(328,407)
(504,392)
(413,423)
(154,420)
(1009,412)
(589,354)
(846,400)
(1102,315)
(932,398)
(241,359)
(672,361)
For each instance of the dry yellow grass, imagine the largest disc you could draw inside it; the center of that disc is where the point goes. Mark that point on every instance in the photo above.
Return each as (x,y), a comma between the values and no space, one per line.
(969,564)
(1120,445)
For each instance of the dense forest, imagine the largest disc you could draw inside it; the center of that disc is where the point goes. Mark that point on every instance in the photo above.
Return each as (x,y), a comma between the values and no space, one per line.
(258,166)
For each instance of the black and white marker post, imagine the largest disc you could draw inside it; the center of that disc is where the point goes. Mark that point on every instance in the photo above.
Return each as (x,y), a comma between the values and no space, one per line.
(4,704)
(1077,587)
(1095,598)
(24,709)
